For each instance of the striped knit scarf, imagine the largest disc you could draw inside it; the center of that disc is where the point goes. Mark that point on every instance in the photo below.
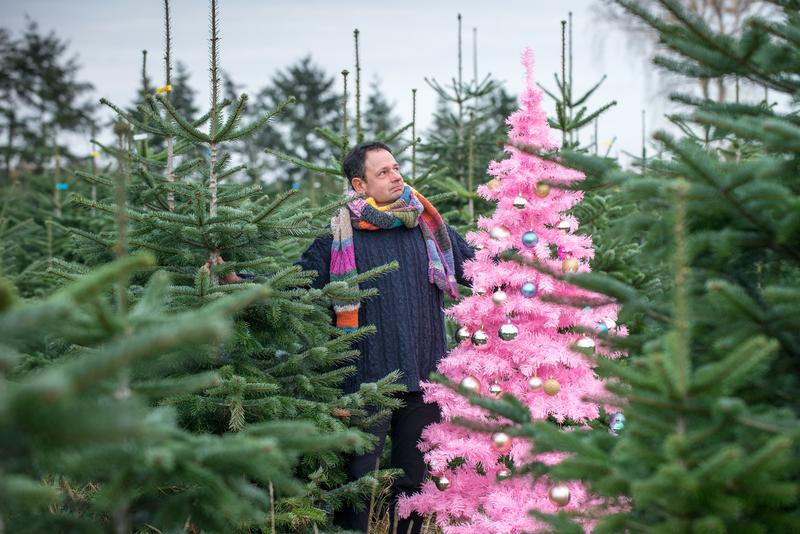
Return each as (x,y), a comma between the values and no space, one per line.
(410,210)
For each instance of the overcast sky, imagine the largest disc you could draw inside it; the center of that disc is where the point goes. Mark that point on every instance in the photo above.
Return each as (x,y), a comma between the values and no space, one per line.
(401,42)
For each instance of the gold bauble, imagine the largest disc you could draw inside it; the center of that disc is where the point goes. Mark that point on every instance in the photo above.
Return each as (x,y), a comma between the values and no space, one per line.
(503,474)
(495,389)
(471,384)
(501,441)
(559,495)
(493,183)
(542,190)
(570,265)
(534,382)
(442,483)
(551,386)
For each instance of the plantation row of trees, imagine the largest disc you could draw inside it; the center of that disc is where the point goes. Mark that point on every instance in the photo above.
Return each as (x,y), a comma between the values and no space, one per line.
(166,367)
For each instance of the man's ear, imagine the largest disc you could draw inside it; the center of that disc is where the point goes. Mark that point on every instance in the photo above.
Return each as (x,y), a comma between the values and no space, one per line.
(358,185)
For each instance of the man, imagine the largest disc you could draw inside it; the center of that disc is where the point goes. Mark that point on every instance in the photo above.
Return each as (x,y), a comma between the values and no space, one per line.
(393,222)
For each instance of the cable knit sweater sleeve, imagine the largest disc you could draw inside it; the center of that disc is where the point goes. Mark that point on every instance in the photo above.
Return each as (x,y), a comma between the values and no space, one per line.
(317,257)
(462,252)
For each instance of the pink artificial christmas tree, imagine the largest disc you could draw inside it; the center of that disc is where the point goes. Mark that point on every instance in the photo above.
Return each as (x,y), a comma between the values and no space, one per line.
(511,341)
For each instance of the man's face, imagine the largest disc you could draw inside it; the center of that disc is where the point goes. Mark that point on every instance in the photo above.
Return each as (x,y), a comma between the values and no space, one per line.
(383,181)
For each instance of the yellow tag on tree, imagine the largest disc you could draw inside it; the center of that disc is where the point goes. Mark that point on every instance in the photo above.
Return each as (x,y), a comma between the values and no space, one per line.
(94,153)
(162,90)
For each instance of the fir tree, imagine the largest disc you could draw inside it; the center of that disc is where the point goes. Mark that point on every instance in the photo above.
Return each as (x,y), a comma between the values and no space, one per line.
(379,116)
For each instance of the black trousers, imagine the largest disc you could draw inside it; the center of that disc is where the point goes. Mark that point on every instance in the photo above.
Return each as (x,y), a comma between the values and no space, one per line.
(405,428)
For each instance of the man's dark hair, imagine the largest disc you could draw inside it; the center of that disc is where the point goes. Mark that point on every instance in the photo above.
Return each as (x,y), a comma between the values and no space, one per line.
(354,161)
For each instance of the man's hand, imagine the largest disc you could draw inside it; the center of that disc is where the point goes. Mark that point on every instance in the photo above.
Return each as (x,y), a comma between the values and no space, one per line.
(230,278)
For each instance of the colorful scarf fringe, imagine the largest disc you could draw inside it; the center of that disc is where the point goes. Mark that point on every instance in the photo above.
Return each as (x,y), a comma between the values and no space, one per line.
(410,210)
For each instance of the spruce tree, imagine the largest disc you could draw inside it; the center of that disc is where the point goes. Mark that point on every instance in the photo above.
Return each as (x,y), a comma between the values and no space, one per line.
(84,450)
(286,360)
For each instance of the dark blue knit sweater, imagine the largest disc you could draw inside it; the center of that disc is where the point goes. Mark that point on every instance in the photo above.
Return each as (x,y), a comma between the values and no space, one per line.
(408,311)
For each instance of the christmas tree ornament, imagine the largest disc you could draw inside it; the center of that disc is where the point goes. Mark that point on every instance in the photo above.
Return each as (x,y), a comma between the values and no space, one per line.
(499,297)
(529,239)
(585,343)
(442,483)
(479,338)
(563,225)
(479,291)
(610,323)
(520,202)
(559,495)
(477,246)
(535,383)
(495,389)
(503,474)
(493,184)
(616,423)
(602,328)
(551,386)
(542,189)
(528,290)
(499,232)
(570,265)
(508,331)
(463,334)
(501,441)
(561,252)
(471,384)
(586,309)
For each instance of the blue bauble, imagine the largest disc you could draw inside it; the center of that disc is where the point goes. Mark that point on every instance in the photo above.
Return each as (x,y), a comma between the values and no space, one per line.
(602,328)
(528,290)
(529,239)
(616,424)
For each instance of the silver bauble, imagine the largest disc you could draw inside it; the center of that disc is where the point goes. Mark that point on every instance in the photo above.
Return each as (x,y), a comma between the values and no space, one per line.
(499,297)
(520,202)
(499,232)
(503,474)
(479,338)
(495,389)
(471,384)
(463,334)
(535,383)
(507,332)
(610,323)
(563,225)
(559,495)
(442,483)
(585,343)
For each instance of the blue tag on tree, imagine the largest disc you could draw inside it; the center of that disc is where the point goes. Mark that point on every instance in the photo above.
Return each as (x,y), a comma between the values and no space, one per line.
(62,186)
